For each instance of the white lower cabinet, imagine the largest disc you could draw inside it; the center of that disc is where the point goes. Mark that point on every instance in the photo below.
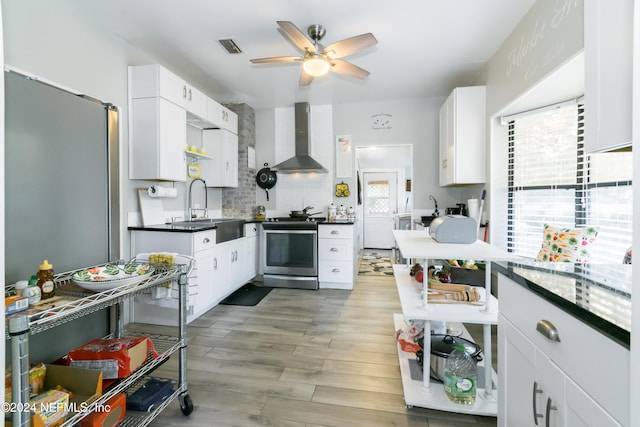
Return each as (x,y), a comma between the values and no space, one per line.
(336,256)
(250,252)
(220,273)
(232,255)
(580,380)
(151,308)
(219,270)
(206,286)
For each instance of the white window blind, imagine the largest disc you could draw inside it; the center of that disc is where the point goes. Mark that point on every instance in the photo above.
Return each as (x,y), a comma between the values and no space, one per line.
(552,181)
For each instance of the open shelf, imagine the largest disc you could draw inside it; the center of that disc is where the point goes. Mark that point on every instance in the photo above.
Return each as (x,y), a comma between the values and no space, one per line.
(420,246)
(415,394)
(413,307)
(79,302)
(196,155)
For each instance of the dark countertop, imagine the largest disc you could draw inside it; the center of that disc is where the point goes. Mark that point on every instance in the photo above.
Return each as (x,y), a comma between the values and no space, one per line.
(175,228)
(337,222)
(598,295)
(202,226)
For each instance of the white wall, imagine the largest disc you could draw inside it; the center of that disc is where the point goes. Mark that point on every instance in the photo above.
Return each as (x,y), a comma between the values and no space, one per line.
(275,142)
(51,40)
(550,35)
(411,121)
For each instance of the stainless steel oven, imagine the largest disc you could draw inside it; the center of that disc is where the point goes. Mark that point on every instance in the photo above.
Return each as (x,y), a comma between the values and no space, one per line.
(290,254)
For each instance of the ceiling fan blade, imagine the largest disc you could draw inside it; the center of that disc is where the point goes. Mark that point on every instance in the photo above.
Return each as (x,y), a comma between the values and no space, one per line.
(305,79)
(296,36)
(348,69)
(351,45)
(276,59)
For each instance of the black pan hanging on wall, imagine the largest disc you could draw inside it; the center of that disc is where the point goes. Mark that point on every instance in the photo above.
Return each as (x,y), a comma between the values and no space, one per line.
(266,179)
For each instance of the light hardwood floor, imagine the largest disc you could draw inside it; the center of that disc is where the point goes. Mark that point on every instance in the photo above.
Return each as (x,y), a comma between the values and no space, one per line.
(301,358)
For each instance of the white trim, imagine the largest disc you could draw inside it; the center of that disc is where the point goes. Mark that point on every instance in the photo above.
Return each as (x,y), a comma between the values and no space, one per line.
(504,120)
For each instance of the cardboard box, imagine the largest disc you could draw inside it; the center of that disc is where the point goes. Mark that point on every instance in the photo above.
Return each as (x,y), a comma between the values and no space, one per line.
(85,384)
(115,357)
(15,304)
(110,415)
(51,406)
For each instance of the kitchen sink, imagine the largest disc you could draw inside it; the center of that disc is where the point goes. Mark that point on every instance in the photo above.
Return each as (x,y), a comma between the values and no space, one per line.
(226,228)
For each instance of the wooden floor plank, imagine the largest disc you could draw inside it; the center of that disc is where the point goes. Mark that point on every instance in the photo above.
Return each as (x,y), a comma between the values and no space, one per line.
(301,358)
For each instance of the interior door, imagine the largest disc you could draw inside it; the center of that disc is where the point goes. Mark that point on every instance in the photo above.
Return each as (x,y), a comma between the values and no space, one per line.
(380,203)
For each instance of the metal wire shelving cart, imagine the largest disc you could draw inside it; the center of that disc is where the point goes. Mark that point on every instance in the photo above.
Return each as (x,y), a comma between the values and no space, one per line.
(79,302)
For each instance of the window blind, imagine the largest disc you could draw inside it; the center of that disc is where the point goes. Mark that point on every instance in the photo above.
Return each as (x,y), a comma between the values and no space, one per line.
(552,181)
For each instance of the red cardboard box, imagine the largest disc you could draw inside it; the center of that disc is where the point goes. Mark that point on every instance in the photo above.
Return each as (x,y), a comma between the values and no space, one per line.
(109,414)
(115,357)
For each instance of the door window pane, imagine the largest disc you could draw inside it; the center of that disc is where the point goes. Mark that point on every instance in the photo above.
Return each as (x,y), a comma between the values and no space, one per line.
(378,197)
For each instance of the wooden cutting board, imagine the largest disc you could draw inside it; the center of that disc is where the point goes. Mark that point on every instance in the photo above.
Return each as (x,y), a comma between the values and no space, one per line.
(151,208)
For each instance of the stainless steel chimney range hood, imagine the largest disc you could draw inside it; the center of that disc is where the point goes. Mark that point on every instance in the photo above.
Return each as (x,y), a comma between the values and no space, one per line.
(301,162)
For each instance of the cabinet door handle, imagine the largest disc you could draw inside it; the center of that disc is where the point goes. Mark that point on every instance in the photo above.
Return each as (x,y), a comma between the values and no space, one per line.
(549,408)
(190,97)
(215,263)
(334,249)
(547,329)
(335,232)
(444,163)
(205,240)
(536,391)
(184,91)
(335,270)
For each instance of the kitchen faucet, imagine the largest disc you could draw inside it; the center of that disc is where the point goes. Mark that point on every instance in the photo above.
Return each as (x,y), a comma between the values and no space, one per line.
(190,210)
(435,211)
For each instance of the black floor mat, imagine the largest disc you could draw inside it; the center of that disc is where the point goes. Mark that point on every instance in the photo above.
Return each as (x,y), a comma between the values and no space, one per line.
(247,295)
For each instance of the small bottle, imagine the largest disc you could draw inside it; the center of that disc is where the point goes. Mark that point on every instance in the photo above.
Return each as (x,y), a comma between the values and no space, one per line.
(351,213)
(332,212)
(45,280)
(460,377)
(33,291)
(20,286)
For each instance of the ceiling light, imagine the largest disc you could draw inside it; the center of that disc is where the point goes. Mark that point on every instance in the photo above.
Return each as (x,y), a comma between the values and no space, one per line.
(315,65)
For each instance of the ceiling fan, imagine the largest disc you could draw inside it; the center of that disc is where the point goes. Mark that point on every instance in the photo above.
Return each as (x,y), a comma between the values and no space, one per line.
(318,60)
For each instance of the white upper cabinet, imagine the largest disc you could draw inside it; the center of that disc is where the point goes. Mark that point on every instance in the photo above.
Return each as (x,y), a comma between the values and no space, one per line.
(222,117)
(462,137)
(162,105)
(608,51)
(153,80)
(157,140)
(222,169)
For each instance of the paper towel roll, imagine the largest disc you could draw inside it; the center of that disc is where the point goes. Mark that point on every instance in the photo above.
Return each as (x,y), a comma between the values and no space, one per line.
(474,208)
(158,191)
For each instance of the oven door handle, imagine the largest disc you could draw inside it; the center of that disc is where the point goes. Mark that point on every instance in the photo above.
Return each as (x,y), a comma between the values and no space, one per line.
(291,231)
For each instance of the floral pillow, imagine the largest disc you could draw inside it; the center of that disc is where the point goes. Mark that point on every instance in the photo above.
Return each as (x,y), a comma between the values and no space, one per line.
(567,244)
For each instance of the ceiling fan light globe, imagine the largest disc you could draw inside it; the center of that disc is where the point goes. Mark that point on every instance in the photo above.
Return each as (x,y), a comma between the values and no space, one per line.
(316,66)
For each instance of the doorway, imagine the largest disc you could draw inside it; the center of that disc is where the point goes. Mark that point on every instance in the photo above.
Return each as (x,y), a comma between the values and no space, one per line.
(391,163)
(380,204)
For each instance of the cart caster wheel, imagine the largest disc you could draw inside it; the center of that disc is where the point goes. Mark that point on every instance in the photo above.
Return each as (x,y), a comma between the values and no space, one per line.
(186,405)
(409,406)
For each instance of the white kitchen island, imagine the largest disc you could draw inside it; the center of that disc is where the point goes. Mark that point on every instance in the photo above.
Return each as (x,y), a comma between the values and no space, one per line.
(418,245)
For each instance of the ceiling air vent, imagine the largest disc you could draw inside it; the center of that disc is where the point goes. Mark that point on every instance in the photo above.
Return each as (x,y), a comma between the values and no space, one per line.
(230,46)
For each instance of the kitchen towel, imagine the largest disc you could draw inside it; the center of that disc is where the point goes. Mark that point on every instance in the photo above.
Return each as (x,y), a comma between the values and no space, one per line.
(158,191)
